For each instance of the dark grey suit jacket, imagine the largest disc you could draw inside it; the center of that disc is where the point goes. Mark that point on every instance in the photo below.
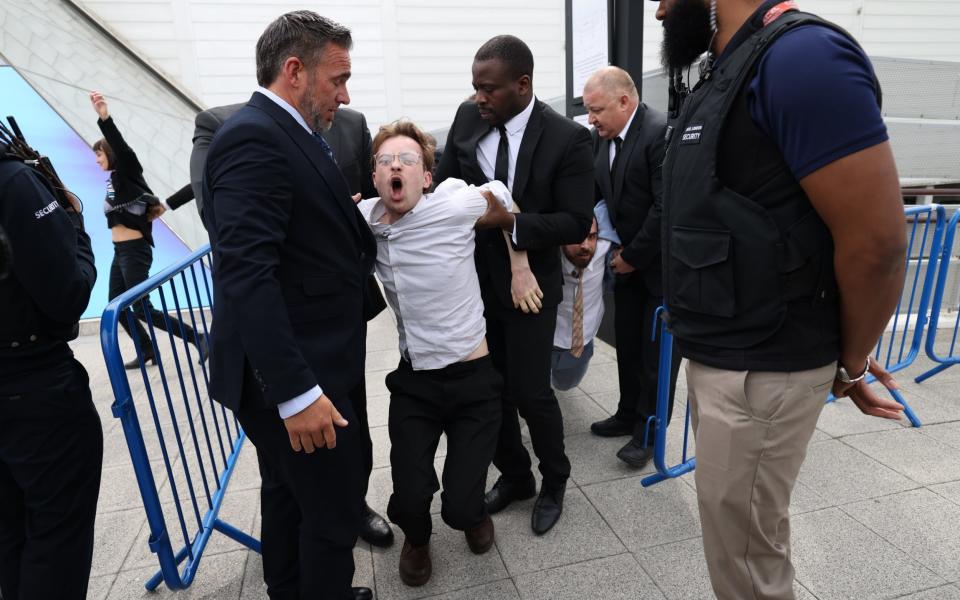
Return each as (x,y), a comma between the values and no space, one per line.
(633,192)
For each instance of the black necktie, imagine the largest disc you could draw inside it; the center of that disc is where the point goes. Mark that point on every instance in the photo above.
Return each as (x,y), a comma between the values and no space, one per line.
(325,146)
(617,141)
(501,170)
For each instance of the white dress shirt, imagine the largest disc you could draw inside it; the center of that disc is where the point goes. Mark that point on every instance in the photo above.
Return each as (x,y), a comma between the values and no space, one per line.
(425,263)
(297,404)
(622,135)
(592,298)
(488,144)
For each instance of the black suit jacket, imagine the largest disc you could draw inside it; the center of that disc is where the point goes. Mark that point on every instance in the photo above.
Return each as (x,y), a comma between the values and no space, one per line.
(350,139)
(552,185)
(633,192)
(291,254)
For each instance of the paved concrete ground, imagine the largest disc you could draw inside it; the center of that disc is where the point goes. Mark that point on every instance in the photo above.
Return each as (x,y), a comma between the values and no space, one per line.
(876,512)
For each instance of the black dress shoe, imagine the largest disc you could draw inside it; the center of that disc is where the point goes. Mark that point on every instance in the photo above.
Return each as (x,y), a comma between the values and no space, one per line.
(362,593)
(504,492)
(135,362)
(415,564)
(374,529)
(547,510)
(203,347)
(611,427)
(634,454)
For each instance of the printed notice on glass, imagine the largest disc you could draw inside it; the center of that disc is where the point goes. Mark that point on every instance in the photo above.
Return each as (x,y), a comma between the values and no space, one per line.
(590,40)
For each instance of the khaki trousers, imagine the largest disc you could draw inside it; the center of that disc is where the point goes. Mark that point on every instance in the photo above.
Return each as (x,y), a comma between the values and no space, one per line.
(752,429)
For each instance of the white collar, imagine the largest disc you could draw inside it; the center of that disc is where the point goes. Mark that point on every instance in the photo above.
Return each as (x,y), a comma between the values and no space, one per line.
(285,106)
(626,128)
(519,122)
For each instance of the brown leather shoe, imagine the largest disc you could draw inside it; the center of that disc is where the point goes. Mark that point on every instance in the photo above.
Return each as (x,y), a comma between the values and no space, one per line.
(480,538)
(415,565)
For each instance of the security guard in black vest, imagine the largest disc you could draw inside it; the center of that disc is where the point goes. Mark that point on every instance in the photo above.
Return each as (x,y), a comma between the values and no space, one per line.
(51,441)
(783,245)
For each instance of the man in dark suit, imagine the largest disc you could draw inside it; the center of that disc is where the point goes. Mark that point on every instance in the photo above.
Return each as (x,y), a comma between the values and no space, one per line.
(350,140)
(291,255)
(544,159)
(628,141)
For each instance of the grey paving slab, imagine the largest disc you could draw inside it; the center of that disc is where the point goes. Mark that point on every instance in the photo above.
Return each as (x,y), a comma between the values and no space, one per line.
(932,403)
(99,587)
(600,378)
(806,499)
(644,517)
(842,474)
(378,410)
(950,490)
(498,590)
(579,411)
(454,566)
(382,360)
(837,558)
(946,592)
(607,400)
(948,433)
(913,453)
(376,383)
(919,522)
(118,489)
(611,578)
(594,459)
(113,539)
(220,578)
(842,418)
(581,534)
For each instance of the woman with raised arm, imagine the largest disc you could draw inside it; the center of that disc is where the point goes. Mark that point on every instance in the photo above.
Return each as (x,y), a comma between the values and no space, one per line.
(126,207)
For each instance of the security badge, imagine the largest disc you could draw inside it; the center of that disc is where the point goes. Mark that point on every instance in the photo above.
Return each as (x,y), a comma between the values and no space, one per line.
(692,134)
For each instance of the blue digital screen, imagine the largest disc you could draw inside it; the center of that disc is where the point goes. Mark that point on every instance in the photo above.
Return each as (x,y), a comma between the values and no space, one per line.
(75,162)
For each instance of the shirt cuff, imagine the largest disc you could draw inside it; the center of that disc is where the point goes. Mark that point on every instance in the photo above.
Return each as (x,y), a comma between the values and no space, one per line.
(513,236)
(291,407)
(165,205)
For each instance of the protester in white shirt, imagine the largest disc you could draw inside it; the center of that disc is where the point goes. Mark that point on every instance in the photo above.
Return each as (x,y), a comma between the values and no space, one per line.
(445,382)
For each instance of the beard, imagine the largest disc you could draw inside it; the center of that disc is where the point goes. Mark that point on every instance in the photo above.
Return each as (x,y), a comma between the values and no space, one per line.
(686,33)
(315,112)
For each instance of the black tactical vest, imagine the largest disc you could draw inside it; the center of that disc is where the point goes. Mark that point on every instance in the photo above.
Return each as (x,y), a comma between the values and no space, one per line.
(748,263)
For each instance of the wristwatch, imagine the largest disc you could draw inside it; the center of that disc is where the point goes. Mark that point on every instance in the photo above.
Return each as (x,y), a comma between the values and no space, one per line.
(844,377)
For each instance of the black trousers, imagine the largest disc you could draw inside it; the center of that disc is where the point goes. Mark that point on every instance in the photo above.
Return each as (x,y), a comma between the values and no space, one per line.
(51,452)
(463,401)
(131,265)
(521,346)
(638,357)
(310,504)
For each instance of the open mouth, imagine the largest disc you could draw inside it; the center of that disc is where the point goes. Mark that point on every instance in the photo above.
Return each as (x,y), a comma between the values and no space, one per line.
(396,184)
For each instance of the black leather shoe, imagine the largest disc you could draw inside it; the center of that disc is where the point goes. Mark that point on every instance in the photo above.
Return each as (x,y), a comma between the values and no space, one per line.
(374,529)
(547,510)
(203,347)
(415,564)
(135,362)
(611,427)
(362,593)
(504,492)
(635,455)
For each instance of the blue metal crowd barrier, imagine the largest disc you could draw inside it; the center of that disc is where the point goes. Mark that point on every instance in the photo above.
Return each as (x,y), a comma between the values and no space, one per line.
(951,357)
(892,351)
(662,418)
(198,440)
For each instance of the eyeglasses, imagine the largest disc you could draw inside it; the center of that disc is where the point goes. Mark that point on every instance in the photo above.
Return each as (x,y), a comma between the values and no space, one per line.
(406,158)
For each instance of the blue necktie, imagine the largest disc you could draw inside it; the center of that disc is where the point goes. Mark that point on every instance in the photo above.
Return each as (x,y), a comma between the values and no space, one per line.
(325,146)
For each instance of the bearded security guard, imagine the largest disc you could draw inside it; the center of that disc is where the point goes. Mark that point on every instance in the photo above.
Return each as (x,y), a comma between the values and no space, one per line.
(783,245)
(51,441)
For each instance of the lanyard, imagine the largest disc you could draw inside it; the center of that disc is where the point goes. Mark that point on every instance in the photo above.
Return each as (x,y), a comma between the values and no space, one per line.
(775,13)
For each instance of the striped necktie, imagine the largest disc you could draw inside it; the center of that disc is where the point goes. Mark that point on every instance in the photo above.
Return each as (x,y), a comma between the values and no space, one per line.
(576,340)
(325,146)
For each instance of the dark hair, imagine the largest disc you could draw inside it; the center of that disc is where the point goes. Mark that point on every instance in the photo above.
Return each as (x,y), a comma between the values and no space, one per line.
(511,51)
(301,33)
(405,128)
(101,145)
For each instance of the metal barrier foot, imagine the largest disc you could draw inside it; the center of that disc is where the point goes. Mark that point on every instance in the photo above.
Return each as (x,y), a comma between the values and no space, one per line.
(937,369)
(907,410)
